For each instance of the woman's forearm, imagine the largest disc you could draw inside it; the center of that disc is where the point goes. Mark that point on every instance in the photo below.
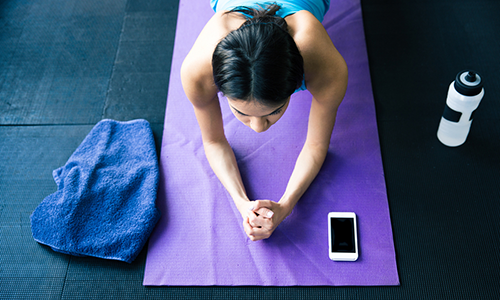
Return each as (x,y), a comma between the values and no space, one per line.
(321,122)
(306,168)
(223,162)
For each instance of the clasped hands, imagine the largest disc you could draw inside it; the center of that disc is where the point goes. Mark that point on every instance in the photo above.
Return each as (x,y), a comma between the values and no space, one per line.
(261,217)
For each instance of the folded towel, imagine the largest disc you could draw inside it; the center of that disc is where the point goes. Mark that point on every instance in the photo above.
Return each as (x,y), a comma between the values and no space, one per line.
(105,202)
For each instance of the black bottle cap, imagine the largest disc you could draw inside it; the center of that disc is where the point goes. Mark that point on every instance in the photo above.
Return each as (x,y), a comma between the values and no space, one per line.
(471,76)
(468,83)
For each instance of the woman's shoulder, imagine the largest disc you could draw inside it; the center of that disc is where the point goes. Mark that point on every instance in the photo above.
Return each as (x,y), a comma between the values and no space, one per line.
(306,30)
(314,43)
(196,70)
(302,22)
(219,25)
(323,64)
(200,54)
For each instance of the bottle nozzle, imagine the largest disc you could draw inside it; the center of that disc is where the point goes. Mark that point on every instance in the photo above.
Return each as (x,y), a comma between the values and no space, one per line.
(468,83)
(471,76)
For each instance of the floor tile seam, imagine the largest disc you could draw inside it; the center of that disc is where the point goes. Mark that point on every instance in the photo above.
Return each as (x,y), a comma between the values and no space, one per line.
(46,124)
(65,280)
(59,124)
(30,277)
(113,70)
(104,280)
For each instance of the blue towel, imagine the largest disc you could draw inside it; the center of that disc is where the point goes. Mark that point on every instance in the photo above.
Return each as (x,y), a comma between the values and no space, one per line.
(105,202)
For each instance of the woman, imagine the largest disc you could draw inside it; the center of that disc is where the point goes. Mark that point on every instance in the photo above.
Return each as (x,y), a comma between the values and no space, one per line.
(257,55)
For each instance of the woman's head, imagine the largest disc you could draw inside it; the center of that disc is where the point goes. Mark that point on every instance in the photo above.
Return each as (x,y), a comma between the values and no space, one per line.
(259,61)
(255,115)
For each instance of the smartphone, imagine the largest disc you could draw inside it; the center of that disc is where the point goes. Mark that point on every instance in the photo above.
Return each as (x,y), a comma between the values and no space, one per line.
(342,236)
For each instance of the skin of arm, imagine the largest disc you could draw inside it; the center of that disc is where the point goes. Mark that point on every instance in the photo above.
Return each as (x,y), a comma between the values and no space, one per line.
(326,79)
(198,84)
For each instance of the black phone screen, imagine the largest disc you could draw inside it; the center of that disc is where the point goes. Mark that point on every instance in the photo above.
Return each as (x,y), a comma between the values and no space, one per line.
(342,231)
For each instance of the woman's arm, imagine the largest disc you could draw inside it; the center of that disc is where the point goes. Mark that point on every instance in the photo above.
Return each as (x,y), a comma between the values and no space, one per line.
(220,156)
(219,153)
(326,78)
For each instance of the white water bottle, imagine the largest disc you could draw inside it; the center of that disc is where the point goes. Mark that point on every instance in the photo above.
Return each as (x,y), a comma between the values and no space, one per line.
(464,96)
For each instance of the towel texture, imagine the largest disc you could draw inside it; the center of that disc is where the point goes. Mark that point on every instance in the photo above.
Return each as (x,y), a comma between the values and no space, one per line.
(105,202)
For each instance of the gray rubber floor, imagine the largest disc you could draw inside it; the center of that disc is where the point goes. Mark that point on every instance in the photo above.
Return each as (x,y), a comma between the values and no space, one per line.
(66,64)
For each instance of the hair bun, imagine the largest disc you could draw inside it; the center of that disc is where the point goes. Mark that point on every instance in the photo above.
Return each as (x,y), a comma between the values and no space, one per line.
(261,15)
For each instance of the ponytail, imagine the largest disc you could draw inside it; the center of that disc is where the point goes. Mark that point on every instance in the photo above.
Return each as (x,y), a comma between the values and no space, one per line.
(263,15)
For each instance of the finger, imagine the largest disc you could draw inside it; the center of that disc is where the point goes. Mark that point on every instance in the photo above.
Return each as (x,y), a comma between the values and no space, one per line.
(247,227)
(257,204)
(259,234)
(264,212)
(263,208)
(254,220)
(249,231)
(254,225)
(260,221)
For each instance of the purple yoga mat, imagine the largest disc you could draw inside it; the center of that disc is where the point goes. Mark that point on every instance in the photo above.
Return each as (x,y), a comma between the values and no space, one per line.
(199,239)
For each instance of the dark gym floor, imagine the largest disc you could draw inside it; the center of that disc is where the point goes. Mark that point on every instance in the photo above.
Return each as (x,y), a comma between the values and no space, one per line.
(66,64)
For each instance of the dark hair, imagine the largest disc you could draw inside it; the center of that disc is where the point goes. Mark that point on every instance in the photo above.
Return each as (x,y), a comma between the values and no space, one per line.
(259,60)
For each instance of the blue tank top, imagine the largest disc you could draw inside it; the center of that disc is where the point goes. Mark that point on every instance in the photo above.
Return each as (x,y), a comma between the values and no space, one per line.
(288,7)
